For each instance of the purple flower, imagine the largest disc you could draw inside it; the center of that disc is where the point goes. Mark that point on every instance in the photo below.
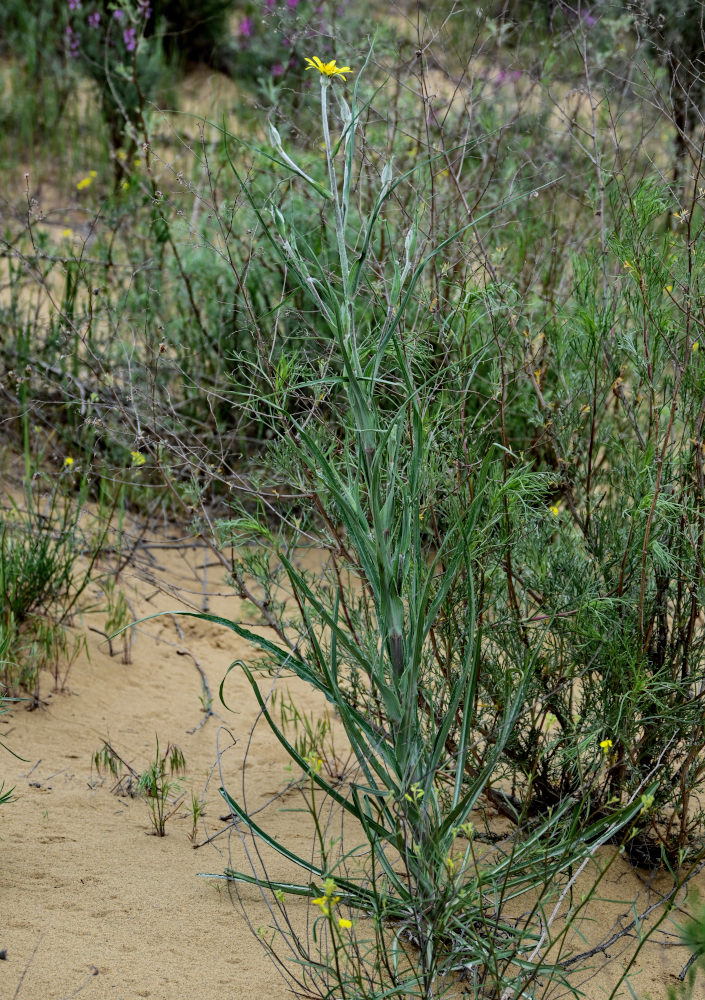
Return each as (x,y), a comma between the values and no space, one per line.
(246,27)
(145,9)
(501,76)
(74,4)
(129,37)
(589,20)
(292,4)
(73,40)
(277,69)
(118,15)
(269,5)
(94,19)
(516,74)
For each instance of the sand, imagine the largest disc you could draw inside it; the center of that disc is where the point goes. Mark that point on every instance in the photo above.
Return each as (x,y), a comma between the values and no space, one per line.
(90,900)
(93,904)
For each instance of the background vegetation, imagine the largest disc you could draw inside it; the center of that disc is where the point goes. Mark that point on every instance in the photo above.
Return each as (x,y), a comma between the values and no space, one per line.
(446,329)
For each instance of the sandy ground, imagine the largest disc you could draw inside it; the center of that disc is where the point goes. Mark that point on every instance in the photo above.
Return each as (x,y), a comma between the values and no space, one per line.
(89,900)
(91,903)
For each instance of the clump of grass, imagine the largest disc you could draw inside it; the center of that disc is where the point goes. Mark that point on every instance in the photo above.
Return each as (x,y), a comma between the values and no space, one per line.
(310,734)
(42,580)
(118,619)
(157,784)
(197,811)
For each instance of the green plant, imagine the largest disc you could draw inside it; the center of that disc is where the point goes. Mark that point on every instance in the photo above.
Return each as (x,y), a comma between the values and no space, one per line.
(5,796)
(197,810)
(693,935)
(311,735)
(41,584)
(119,618)
(402,653)
(156,784)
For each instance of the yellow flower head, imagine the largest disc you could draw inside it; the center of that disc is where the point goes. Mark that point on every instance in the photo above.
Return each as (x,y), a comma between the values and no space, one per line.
(605,745)
(327,69)
(68,461)
(343,922)
(330,889)
(84,183)
(68,233)
(330,899)
(555,510)
(137,458)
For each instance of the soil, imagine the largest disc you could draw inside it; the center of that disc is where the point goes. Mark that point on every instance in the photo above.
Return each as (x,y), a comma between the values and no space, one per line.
(90,899)
(92,903)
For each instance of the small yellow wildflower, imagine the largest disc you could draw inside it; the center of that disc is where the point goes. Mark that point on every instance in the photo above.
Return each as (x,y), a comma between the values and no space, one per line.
(646,803)
(606,745)
(328,900)
(137,458)
(67,233)
(137,161)
(314,762)
(93,174)
(416,793)
(468,830)
(668,288)
(330,888)
(555,510)
(84,183)
(695,346)
(121,154)
(327,69)
(629,267)
(68,461)
(343,922)
(125,185)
